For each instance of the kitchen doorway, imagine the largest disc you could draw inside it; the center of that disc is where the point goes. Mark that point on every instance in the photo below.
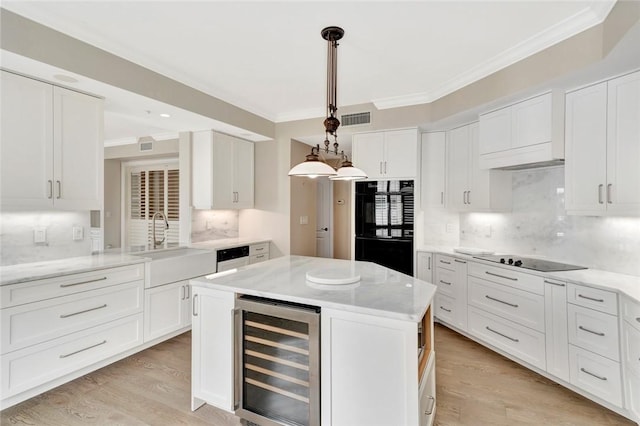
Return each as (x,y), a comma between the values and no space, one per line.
(324,218)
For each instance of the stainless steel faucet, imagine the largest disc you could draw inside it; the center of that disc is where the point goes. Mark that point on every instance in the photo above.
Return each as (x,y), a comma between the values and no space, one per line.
(166,226)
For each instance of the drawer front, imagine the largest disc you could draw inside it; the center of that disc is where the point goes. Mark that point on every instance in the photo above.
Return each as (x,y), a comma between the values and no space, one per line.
(594,331)
(36,365)
(257,258)
(262,248)
(519,306)
(516,279)
(446,282)
(30,324)
(445,308)
(34,291)
(594,298)
(521,342)
(631,312)
(595,374)
(428,395)
(631,348)
(447,262)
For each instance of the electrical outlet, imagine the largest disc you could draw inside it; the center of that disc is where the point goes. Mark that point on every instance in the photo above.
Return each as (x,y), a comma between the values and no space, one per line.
(40,235)
(78,233)
(304,220)
(449,228)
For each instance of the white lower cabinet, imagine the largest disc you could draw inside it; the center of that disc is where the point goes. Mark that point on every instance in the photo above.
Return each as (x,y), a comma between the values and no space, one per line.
(428,394)
(596,374)
(451,279)
(631,355)
(556,328)
(167,309)
(212,369)
(594,331)
(36,365)
(57,328)
(424,266)
(370,371)
(521,342)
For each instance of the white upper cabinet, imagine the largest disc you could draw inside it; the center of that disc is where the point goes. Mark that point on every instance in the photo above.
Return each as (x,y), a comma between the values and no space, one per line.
(51,152)
(603,148)
(223,170)
(469,187)
(527,132)
(433,170)
(387,155)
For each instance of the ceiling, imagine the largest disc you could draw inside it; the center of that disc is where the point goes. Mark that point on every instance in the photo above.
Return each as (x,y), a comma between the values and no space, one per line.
(269,58)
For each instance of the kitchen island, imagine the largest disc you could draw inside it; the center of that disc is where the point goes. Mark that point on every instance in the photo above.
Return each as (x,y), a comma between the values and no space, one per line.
(375,344)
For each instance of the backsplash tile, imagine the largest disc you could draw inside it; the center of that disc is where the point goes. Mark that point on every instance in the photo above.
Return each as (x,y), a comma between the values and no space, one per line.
(539,225)
(17,243)
(209,225)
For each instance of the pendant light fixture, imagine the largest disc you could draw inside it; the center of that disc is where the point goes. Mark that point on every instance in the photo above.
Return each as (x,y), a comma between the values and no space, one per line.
(313,167)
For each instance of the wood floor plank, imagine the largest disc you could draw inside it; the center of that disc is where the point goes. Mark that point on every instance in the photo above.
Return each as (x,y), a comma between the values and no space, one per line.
(475,386)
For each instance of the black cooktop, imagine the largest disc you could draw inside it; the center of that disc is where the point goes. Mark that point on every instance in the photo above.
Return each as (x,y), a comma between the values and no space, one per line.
(529,263)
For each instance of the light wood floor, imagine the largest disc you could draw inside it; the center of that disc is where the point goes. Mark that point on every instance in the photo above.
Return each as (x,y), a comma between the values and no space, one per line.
(475,387)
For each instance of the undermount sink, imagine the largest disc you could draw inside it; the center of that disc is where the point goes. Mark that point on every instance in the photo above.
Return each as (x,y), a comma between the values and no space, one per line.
(177,264)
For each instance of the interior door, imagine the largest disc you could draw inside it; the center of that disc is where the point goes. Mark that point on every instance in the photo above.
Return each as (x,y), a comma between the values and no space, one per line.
(324,222)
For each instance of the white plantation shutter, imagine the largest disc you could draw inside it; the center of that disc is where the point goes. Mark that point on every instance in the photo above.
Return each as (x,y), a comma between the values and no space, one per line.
(153,188)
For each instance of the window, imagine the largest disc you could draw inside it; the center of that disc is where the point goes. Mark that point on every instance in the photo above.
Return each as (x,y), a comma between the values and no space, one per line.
(152,188)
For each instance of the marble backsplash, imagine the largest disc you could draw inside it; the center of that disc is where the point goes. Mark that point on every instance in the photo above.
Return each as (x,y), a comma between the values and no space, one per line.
(17,236)
(539,225)
(209,225)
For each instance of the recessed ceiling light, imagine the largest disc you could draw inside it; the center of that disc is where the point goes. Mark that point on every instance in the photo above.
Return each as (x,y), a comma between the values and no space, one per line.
(165,115)
(65,78)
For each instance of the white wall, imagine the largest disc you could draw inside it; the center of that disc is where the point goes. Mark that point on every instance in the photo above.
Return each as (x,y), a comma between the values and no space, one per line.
(16,236)
(539,225)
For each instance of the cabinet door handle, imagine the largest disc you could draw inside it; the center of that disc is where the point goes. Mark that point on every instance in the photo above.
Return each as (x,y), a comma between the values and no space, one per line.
(445,309)
(385,167)
(59,185)
(609,200)
(597,333)
(501,276)
(188,290)
(82,350)
(182,292)
(82,312)
(445,262)
(432,403)
(50,189)
(193,308)
(442,198)
(600,194)
(464,197)
(501,301)
(459,261)
(551,282)
(503,335)
(82,282)
(444,282)
(262,248)
(468,197)
(590,298)
(429,268)
(594,375)
(380,167)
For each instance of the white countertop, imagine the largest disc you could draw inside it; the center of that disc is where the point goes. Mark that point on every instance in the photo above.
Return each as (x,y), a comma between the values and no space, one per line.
(380,291)
(13,274)
(628,285)
(22,272)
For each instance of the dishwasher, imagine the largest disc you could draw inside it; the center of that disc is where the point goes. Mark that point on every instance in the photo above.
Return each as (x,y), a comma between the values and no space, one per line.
(231,258)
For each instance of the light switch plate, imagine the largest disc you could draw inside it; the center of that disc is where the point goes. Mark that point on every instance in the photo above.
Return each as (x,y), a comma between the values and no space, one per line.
(304,220)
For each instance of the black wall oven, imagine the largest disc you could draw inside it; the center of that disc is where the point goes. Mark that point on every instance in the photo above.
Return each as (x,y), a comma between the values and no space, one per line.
(384,222)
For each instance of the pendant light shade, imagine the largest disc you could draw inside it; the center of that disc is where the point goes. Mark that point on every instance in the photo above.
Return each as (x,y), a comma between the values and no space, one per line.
(313,166)
(348,172)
